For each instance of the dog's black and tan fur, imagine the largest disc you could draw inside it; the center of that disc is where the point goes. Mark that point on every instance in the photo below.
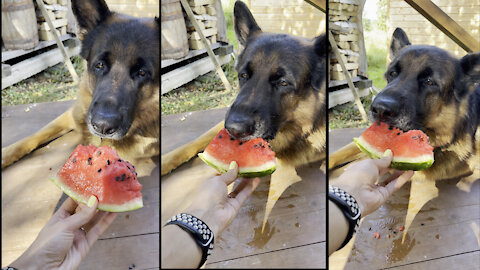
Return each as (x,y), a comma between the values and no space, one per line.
(431,90)
(118,96)
(281,98)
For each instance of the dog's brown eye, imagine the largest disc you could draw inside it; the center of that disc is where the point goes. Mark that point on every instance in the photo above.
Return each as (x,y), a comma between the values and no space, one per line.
(99,65)
(429,82)
(244,75)
(393,74)
(283,83)
(142,73)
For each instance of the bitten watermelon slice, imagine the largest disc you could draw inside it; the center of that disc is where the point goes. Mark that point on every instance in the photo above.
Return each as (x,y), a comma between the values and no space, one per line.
(411,149)
(254,157)
(99,171)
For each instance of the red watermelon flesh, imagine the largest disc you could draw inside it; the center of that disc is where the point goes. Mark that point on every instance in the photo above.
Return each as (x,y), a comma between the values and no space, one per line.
(254,157)
(411,149)
(99,171)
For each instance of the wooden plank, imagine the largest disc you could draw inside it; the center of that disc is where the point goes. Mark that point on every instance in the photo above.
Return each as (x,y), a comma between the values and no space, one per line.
(345,95)
(191,53)
(463,261)
(181,76)
(443,22)
(207,32)
(318,4)
(56,24)
(358,102)
(7,55)
(441,229)
(206,44)
(34,65)
(65,55)
(286,258)
(6,70)
(143,251)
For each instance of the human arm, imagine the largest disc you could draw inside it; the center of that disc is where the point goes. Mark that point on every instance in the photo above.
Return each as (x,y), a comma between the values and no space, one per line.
(67,237)
(359,180)
(213,205)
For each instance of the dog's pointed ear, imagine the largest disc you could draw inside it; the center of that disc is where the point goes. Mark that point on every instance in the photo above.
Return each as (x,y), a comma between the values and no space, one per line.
(399,41)
(90,13)
(245,24)
(470,64)
(319,72)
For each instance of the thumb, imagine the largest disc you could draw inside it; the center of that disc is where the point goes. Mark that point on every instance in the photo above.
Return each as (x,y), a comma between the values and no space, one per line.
(83,216)
(231,175)
(384,161)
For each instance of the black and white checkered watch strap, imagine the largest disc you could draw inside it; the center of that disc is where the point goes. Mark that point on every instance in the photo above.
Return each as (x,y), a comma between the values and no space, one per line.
(350,209)
(199,231)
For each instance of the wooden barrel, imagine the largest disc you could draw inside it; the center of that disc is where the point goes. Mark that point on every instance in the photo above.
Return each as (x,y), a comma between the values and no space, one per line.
(19,24)
(174,32)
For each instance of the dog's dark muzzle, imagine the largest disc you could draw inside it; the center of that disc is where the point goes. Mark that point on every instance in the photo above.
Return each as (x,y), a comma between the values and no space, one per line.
(385,108)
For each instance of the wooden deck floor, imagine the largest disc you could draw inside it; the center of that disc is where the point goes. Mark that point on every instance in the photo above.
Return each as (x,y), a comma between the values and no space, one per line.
(29,199)
(294,236)
(442,235)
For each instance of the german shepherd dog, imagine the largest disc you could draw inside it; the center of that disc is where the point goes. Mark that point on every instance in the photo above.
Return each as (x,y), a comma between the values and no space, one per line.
(118,96)
(430,90)
(281,99)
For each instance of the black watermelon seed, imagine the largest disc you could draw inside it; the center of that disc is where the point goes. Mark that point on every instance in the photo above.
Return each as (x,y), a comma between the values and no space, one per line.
(219,136)
(108,162)
(123,177)
(89,161)
(370,229)
(255,146)
(422,224)
(74,160)
(117,178)
(398,133)
(99,170)
(231,139)
(240,143)
(394,232)
(378,123)
(119,160)
(419,136)
(390,127)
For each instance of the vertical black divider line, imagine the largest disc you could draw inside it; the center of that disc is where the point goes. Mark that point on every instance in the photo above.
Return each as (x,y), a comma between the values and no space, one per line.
(327,133)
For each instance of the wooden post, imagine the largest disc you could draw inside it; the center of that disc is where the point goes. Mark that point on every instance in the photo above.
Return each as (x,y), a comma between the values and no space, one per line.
(70,67)
(446,24)
(190,15)
(333,44)
(318,4)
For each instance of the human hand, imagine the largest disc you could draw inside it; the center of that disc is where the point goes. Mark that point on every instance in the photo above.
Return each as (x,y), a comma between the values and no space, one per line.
(359,181)
(62,243)
(212,203)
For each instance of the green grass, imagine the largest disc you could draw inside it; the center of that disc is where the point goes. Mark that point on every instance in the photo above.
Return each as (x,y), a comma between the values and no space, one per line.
(205,92)
(53,84)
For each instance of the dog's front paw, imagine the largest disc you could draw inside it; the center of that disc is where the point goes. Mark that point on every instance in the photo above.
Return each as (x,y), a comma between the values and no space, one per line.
(12,153)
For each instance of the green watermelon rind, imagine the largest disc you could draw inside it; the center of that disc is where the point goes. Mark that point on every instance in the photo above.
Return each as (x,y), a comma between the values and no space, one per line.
(400,163)
(134,204)
(247,172)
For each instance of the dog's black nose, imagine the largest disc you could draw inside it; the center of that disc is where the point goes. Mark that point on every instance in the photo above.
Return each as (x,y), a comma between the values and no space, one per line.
(106,123)
(239,125)
(385,108)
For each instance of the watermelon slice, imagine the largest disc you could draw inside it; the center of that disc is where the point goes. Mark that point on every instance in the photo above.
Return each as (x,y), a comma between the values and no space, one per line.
(411,149)
(100,171)
(254,157)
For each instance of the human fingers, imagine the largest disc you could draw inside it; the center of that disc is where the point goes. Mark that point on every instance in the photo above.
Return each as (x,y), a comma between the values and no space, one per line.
(100,227)
(243,192)
(231,175)
(83,216)
(99,215)
(383,163)
(397,183)
(69,205)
